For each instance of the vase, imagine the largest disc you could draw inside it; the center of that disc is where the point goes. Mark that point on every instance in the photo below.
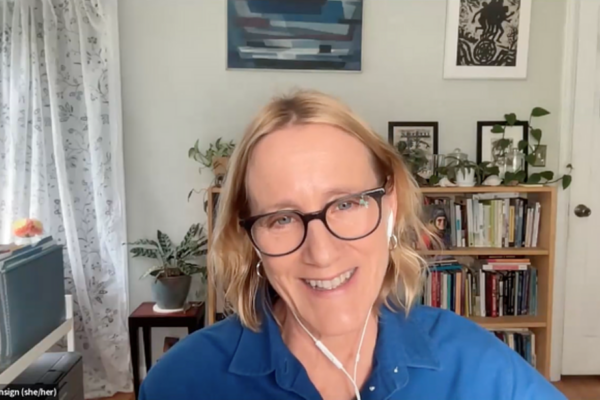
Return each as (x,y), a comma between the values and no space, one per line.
(515,161)
(170,293)
(465,178)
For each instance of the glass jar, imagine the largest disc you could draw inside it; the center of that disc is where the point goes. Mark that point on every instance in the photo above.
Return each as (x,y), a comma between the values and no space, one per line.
(515,160)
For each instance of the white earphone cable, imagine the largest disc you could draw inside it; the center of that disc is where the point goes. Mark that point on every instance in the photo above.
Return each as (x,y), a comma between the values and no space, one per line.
(332,357)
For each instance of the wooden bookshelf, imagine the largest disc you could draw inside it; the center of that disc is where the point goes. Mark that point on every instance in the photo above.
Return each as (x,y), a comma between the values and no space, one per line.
(542,257)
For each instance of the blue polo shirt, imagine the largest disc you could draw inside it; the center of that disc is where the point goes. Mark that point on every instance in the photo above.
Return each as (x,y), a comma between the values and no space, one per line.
(431,355)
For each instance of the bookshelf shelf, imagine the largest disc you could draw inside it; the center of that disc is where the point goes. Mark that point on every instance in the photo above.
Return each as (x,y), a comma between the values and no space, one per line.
(510,322)
(488,251)
(487,189)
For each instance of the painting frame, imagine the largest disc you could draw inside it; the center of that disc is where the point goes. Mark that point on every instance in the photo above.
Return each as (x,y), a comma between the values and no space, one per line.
(432,125)
(335,43)
(454,71)
(519,131)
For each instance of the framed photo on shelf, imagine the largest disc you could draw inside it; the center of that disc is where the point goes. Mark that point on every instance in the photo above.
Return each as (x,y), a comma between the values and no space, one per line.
(486,139)
(416,135)
(487,39)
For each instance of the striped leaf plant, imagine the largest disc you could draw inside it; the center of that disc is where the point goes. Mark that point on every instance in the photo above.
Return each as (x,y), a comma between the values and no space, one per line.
(173,260)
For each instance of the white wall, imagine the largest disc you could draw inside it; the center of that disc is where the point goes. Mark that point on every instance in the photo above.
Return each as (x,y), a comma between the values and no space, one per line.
(176,90)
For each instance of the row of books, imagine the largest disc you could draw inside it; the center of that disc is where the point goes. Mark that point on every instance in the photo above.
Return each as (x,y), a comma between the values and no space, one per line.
(484,220)
(520,340)
(491,288)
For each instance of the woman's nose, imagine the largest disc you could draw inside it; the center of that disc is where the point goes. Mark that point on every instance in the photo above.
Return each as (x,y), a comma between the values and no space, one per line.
(320,248)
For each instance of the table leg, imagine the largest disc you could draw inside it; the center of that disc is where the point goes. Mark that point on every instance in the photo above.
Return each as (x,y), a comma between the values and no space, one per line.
(135,356)
(147,347)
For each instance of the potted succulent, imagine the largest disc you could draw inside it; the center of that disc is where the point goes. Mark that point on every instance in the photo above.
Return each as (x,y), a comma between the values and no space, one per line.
(175,265)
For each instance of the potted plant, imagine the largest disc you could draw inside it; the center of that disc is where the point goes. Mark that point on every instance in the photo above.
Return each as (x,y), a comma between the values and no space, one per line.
(530,152)
(215,157)
(462,170)
(175,265)
(415,157)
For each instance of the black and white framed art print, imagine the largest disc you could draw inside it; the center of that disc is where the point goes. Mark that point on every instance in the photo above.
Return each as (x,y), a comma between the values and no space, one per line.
(416,135)
(487,39)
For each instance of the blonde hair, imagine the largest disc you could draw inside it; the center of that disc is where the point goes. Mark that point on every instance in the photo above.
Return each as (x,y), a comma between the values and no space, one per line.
(232,259)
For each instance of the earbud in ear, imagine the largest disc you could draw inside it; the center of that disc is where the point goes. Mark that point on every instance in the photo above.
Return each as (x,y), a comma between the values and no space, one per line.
(390,226)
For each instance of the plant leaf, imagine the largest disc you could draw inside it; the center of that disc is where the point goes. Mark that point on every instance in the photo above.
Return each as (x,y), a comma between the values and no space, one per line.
(144,252)
(152,271)
(530,159)
(566,181)
(523,145)
(534,178)
(539,112)
(503,143)
(165,244)
(569,166)
(537,134)
(520,176)
(494,170)
(509,177)
(547,175)
(434,180)
(144,242)
(511,119)
(497,129)
(191,233)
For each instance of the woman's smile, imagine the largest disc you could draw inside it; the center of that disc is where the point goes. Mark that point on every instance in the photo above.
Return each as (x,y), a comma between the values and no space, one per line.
(336,285)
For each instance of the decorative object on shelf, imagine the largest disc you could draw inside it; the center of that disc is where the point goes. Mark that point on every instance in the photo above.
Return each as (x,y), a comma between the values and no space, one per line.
(298,35)
(28,230)
(461,169)
(417,142)
(176,265)
(445,182)
(487,39)
(496,139)
(530,154)
(492,180)
(215,157)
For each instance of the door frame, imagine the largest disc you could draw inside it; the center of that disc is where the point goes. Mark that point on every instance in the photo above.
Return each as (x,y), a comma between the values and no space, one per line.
(572,32)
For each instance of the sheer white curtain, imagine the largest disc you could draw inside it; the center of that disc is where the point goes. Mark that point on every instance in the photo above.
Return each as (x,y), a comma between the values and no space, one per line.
(61,162)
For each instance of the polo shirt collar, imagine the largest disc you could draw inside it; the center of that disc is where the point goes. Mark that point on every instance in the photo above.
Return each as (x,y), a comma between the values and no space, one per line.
(401,343)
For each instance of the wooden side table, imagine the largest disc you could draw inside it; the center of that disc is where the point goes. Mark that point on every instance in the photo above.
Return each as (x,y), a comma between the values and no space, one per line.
(144,317)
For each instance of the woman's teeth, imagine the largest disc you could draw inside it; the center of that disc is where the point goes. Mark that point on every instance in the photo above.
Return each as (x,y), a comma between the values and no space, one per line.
(331,284)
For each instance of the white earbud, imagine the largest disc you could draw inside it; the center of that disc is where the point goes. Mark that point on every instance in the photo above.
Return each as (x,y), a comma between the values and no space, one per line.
(390,226)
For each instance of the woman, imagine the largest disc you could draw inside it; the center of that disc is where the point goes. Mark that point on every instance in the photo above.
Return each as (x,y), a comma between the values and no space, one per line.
(312,247)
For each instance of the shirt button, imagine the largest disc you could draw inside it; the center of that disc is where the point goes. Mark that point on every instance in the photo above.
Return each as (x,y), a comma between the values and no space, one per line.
(396,370)
(371,388)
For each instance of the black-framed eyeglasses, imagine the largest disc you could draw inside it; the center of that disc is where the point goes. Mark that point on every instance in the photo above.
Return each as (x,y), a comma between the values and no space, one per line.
(350,217)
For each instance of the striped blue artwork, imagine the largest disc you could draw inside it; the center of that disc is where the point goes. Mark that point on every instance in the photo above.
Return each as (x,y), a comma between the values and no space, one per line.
(294,34)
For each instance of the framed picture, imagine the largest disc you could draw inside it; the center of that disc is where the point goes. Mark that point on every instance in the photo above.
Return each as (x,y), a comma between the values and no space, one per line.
(423,135)
(323,35)
(486,139)
(487,39)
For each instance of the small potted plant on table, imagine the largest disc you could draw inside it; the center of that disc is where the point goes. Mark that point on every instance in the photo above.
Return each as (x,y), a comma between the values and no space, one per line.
(176,265)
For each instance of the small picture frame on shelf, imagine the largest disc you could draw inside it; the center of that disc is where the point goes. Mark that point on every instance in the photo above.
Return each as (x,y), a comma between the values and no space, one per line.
(416,135)
(486,139)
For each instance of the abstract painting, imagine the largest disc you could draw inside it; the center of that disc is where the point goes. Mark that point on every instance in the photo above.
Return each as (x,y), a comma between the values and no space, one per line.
(487,38)
(294,34)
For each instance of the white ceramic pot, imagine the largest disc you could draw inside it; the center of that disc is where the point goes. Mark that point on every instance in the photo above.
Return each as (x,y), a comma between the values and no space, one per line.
(466,179)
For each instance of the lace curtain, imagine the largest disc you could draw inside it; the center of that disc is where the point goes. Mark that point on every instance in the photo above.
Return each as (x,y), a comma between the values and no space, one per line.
(61,162)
